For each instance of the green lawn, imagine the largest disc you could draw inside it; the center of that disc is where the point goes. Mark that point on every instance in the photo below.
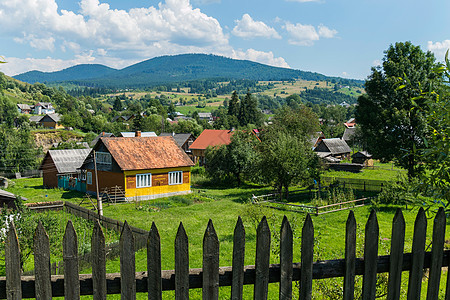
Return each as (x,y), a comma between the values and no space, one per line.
(381,171)
(223,206)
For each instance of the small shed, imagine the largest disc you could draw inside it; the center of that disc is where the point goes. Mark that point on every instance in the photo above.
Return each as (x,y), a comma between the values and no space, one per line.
(8,199)
(337,147)
(363,157)
(51,121)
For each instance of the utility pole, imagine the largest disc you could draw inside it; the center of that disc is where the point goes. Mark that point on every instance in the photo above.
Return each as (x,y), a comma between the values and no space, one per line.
(99,201)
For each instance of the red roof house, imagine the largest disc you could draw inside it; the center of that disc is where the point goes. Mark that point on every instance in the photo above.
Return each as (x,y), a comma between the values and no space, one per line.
(209,137)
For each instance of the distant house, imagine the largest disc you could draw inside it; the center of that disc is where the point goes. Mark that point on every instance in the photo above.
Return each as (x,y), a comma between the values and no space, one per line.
(59,168)
(34,120)
(209,138)
(44,108)
(123,119)
(142,167)
(205,116)
(335,148)
(363,157)
(350,123)
(183,140)
(138,134)
(349,135)
(103,134)
(24,108)
(51,121)
(316,138)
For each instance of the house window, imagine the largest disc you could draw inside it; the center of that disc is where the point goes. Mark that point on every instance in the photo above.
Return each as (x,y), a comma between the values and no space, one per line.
(143,180)
(103,158)
(89,177)
(176,177)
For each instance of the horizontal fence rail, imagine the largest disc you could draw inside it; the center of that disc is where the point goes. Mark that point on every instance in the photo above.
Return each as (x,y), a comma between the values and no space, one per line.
(210,277)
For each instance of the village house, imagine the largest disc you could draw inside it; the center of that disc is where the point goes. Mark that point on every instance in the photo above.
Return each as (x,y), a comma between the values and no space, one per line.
(59,168)
(102,134)
(51,121)
(24,108)
(183,140)
(316,138)
(142,167)
(44,108)
(205,116)
(335,148)
(209,138)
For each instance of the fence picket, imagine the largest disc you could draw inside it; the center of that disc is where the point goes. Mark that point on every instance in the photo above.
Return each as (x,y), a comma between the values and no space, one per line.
(396,256)
(41,250)
(127,264)
(70,257)
(370,256)
(12,264)
(350,257)
(286,258)
(154,264)
(436,255)
(210,288)
(237,285)
(181,264)
(262,260)
(307,251)
(98,258)
(418,254)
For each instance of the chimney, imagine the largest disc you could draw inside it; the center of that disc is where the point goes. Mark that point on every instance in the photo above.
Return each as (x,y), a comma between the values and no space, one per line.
(138,133)
(103,133)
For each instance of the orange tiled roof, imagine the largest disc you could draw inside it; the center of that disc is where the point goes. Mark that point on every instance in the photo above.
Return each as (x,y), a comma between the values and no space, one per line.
(144,153)
(210,137)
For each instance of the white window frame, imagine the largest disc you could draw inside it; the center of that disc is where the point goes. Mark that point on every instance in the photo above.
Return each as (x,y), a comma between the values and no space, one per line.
(175,177)
(103,158)
(89,177)
(143,180)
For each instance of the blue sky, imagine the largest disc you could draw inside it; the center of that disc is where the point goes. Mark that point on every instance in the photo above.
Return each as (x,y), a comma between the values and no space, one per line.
(333,37)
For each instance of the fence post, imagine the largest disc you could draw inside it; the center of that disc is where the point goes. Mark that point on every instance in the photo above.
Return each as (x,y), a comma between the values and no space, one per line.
(238,261)
(396,255)
(12,265)
(154,264)
(286,253)
(70,257)
(370,256)
(350,257)
(262,260)
(98,259)
(418,254)
(307,249)
(210,287)
(43,286)
(127,264)
(181,264)
(436,255)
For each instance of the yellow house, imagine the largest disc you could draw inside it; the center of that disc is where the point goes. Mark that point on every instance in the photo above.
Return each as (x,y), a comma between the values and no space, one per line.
(143,167)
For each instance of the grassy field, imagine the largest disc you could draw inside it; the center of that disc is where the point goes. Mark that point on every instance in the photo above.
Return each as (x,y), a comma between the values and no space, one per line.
(386,172)
(223,205)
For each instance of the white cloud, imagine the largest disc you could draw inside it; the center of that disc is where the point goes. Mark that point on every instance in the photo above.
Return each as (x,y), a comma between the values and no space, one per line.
(261,57)
(439,48)
(326,32)
(306,35)
(249,28)
(37,43)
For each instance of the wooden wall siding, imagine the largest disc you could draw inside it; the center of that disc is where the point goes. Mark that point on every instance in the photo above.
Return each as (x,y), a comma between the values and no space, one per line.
(105,180)
(49,171)
(71,285)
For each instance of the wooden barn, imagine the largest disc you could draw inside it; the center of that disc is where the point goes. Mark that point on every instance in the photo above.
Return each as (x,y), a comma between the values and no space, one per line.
(363,157)
(142,167)
(335,147)
(59,167)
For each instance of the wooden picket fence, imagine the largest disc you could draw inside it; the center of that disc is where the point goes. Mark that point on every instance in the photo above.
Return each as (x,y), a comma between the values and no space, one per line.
(209,278)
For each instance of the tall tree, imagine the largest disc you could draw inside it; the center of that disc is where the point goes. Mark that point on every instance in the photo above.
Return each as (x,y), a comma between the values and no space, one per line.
(249,112)
(390,129)
(117,106)
(233,106)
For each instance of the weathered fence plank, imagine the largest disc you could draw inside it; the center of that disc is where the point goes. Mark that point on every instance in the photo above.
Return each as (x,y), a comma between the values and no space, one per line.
(237,285)
(98,258)
(436,255)
(262,260)
(418,254)
(12,264)
(350,257)
(181,264)
(396,256)
(210,288)
(370,256)
(154,264)
(307,254)
(70,257)
(127,264)
(41,250)
(286,258)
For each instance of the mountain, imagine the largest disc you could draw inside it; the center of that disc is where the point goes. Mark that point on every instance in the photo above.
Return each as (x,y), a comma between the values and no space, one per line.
(169,69)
